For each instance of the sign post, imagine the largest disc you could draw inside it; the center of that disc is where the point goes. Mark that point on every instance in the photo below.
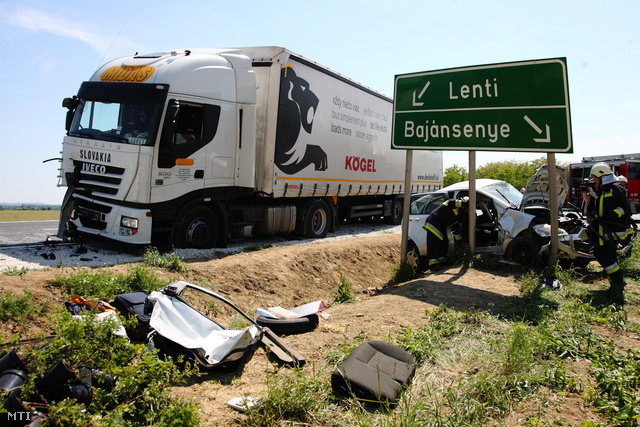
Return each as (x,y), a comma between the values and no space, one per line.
(517,107)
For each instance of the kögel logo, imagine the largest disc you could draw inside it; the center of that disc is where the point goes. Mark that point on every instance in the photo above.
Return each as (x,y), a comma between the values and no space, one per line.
(360,164)
(128,73)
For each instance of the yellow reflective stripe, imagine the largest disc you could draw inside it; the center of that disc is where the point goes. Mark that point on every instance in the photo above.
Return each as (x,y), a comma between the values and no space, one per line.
(624,234)
(600,233)
(612,268)
(434,230)
(601,206)
(619,211)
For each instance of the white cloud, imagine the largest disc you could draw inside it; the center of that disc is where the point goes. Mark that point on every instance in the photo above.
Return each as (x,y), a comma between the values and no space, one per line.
(37,20)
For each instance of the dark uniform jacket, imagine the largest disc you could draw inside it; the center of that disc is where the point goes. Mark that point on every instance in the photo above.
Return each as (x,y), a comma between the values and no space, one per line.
(613,217)
(444,216)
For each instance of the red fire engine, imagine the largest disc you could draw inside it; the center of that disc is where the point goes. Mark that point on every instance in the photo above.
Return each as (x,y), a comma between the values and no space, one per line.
(627,165)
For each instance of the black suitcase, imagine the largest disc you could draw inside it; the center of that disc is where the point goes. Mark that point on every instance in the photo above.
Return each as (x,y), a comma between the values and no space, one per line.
(133,304)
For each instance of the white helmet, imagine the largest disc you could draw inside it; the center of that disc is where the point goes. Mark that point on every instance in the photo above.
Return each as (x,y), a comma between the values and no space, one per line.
(600,169)
(623,179)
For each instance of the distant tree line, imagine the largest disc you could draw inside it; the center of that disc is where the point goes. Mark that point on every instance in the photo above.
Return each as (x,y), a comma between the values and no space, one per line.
(29,207)
(514,172)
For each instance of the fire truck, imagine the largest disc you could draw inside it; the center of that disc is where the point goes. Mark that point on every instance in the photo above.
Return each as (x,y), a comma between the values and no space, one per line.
(627,165)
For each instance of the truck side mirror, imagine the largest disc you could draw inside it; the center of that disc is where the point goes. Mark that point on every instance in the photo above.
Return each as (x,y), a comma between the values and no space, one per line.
(71,104)
(166,158)
(169,127)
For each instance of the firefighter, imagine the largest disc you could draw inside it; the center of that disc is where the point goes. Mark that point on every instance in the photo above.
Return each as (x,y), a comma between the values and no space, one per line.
(443,217)
(611,225)
(624,182)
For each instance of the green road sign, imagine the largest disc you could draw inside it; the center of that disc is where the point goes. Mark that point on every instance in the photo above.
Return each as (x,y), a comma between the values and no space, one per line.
(518,106)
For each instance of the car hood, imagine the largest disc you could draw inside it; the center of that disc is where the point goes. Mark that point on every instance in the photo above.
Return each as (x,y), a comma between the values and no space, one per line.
(536,192)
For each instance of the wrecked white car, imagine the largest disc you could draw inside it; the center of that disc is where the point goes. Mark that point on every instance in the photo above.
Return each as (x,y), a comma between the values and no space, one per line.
(509,223)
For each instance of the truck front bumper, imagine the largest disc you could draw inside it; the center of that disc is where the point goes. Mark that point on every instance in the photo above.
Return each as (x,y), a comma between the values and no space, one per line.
(110,221)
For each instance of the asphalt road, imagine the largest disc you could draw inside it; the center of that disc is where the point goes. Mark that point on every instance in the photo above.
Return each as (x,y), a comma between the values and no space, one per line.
(15,233)
(20,232)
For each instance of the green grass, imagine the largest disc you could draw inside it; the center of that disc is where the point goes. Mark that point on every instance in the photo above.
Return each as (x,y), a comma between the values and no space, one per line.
(171,262)
(28,215)
(103,284)
(141,395)
(15,271)
(402,273)
(344,293)
(18,307)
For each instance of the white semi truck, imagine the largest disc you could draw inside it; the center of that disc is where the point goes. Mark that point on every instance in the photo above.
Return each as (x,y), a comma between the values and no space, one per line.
(195,148)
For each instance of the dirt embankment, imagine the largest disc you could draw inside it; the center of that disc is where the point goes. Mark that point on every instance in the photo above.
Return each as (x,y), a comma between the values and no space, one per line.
(289,276)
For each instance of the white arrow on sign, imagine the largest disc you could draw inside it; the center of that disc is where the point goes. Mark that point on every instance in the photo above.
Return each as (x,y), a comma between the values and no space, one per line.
(418,104)
(537,129)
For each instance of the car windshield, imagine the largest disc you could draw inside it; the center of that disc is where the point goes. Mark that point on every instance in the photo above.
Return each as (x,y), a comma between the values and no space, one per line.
(111,121)
(504,191)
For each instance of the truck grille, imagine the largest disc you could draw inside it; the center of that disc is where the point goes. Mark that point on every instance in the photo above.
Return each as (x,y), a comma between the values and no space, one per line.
(99,180)
(92,215)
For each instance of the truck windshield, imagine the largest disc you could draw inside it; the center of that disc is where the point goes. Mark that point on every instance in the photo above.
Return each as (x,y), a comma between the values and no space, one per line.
(112,121)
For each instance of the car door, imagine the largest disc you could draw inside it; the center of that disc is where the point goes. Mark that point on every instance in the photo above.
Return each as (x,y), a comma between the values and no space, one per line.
(421,207)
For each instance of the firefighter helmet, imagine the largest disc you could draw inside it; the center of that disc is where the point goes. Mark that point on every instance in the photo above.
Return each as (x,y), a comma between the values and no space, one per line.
(623,179)
(601,169)
(465,203)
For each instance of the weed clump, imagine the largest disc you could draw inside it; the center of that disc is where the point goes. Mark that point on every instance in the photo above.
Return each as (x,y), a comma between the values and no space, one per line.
(103,284)
(402,273)
(19,307)
(171,262)
(344,292)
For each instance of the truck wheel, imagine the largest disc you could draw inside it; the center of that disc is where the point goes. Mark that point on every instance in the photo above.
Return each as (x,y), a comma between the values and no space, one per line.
(396,213)
(197,229)
(414,259)
(317,220)
(520,250)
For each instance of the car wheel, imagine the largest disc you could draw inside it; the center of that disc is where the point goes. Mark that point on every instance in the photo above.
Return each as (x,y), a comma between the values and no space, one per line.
(417,262)
(521,250)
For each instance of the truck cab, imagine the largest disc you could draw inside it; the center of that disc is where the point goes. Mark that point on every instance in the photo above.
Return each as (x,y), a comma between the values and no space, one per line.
(139,152)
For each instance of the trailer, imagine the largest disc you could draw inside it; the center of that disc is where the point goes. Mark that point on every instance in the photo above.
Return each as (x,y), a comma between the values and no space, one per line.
(627,165)
(198,147)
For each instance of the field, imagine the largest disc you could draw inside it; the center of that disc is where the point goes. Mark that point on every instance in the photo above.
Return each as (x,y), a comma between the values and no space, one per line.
(28,215)
(493,346)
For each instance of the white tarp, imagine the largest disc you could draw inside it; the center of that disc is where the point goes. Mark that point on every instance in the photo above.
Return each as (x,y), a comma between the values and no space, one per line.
(175,320)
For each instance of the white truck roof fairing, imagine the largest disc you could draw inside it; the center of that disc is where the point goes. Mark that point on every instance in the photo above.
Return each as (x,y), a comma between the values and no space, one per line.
(208,73)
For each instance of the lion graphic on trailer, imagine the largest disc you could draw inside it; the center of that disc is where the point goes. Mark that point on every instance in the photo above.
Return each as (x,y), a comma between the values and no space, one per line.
(298,105)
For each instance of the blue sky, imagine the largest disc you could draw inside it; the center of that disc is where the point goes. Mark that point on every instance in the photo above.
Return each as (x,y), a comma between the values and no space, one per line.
(50,47)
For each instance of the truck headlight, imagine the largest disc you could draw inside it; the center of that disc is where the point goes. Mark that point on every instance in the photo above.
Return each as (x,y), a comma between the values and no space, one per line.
(128,226)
